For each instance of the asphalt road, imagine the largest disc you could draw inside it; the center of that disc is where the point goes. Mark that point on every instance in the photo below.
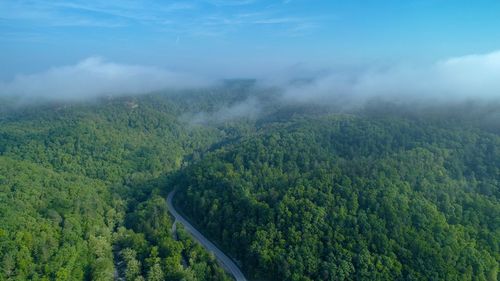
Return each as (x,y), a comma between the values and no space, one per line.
(224,260)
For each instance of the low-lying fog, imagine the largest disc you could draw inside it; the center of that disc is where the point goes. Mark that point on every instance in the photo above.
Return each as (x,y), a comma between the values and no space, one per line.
(472,77)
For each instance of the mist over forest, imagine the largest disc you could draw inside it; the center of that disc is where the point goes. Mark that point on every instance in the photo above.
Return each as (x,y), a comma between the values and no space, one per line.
(217,140)
(452,79)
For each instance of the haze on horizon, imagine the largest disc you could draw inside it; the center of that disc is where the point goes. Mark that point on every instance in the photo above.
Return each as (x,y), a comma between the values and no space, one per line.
(72,50)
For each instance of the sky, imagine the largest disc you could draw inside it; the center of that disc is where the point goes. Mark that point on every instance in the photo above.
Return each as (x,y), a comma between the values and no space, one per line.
(242,37)
(42,40)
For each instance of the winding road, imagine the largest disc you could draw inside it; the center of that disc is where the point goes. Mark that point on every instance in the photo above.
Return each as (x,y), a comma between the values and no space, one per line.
(223,259)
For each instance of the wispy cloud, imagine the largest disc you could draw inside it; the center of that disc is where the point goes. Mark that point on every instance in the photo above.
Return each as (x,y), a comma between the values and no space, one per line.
(278,20)
(44,13)
(231,2)
(221,24)
(193,18)
(91,13)
(248,108)
(147,12)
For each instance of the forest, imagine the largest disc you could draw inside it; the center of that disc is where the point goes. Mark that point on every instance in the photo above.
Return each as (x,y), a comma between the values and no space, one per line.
(352,198)
(295,192)
(82,191)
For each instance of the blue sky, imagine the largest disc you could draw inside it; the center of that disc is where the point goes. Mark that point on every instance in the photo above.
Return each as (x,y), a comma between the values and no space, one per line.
(242,37)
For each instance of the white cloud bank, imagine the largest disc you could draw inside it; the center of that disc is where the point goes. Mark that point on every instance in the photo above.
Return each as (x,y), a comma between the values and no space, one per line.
(94,77)
(455,79)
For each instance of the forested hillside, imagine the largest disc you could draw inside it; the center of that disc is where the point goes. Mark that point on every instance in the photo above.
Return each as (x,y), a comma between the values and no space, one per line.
(80,190)
(54,224)
(291,191)
(353,198)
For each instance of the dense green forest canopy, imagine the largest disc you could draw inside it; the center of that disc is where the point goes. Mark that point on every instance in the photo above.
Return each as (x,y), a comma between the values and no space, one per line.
(345,197)
(81,189)
(291,191)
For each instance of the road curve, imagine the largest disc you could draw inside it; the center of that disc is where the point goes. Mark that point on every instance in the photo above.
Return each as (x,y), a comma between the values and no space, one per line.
(224,260)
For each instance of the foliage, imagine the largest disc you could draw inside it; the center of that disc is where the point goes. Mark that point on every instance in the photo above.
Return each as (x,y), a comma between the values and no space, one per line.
(296,193)
(70,174)
(344,197)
